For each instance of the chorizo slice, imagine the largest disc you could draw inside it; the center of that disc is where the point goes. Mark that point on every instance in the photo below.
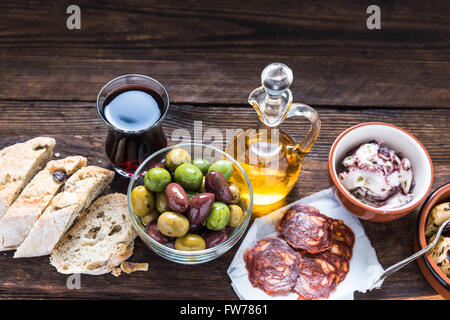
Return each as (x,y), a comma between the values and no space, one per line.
(305,228)
(318,277)
(272,265)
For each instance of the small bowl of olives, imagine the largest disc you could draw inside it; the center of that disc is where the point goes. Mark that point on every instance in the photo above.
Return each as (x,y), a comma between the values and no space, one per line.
(190,203)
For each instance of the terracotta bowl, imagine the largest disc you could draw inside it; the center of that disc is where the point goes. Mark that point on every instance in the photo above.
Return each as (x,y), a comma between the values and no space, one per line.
(396,139)
(433,274)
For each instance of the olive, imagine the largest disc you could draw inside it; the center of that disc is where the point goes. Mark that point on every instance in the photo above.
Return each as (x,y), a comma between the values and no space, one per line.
(153,232)
(214,238)
(157,179)
(177,157)
(199,207)
(236,215)
(149,218)
(218,216)
(202,188)
(142,201)
(172,224)
(216,183)
(188,176)
(156,165)
(236,192)
(190,242)
(202,164)
(161,202)
(191,195)
(176,197)
(225,167)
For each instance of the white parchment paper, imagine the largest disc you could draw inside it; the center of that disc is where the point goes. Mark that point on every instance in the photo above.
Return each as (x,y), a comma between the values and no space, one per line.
(364,265)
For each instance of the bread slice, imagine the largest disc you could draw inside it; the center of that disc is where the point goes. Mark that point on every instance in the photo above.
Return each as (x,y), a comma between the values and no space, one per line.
(79,192)
(99,241)
(18,164)
(25,211)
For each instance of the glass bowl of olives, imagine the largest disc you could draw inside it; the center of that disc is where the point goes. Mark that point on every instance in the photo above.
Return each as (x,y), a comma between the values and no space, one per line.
(190,203)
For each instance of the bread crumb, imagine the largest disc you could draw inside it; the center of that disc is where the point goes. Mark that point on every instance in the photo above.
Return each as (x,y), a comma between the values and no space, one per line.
(129,267)
(57,155)
(116,272)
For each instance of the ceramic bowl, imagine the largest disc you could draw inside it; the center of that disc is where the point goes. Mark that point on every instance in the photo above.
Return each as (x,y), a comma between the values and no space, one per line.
(433,274)
(396,139)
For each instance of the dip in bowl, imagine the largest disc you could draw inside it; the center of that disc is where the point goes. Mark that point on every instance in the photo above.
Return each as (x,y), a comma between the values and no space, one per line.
(395,142)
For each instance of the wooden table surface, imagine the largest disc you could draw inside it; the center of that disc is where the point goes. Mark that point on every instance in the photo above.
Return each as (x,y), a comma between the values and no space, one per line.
(209,55)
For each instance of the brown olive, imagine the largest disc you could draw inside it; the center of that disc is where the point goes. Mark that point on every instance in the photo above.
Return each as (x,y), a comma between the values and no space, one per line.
(199,207)
(216,183)
(153,231)
(236,215)
(176,197)
(214,238)
(172,224)
(190,242)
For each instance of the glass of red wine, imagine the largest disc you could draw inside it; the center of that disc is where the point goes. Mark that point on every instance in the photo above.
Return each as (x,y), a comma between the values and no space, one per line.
(133,107)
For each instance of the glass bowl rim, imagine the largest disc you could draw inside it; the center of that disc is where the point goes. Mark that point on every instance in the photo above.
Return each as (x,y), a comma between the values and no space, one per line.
(134,218)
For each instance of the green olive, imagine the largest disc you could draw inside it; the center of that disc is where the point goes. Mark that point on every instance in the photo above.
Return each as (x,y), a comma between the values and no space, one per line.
(149,218)
(177,157)
(142,201)
(172,224)
(236,192)
(236,215)
(190,242)
(157,179)
(202,164)
(225,167)
(188,176)
(161,202)
(218,216)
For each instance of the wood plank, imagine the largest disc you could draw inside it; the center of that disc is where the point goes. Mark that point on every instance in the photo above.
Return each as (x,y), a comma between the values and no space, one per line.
(206,54)
(31,118)
(27,278)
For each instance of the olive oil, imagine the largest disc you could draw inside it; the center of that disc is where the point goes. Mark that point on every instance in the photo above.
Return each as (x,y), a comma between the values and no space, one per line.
(271,159)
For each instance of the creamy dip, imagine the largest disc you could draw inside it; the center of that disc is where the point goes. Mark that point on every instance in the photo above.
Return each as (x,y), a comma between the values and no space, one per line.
(378,176)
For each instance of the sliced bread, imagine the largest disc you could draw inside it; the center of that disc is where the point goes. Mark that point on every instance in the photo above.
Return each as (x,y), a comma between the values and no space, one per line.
(79,192)
(99,241)
(18,164)
(25,211)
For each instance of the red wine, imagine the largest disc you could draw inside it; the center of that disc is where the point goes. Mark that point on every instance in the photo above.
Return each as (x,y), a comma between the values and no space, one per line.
(134,112)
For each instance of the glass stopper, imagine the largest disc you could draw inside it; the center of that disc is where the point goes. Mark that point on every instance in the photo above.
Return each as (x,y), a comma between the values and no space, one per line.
(276,78)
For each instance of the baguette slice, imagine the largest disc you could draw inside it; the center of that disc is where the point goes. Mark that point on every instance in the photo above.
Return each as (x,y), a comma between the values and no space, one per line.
(25,211)
(18,164)
(99,241)
(79,192)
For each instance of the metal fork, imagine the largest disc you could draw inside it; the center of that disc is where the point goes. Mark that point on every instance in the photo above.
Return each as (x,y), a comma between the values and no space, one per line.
(416,255)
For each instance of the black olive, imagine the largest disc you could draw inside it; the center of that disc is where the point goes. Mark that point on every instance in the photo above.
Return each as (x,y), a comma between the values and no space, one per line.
(60,176)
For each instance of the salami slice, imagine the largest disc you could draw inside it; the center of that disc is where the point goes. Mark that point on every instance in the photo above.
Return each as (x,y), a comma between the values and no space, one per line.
(272,265)
(318,277)
(304,227)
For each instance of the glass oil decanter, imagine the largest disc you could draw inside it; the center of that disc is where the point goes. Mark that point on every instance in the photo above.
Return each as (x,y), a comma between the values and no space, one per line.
(271,159)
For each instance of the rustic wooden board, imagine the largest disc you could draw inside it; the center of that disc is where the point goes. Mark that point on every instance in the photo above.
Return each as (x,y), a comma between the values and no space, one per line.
(31,278)
(207,53)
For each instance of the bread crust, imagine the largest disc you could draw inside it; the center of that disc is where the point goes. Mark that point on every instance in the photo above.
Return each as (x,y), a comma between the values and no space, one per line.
(18,164)
(79,192)
(120,247)
(25,211)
